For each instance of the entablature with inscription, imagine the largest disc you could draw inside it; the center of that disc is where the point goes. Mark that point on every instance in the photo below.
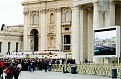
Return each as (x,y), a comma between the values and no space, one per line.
(66,23)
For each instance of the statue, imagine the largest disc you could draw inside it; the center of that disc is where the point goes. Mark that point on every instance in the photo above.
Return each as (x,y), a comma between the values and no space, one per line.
(31,44)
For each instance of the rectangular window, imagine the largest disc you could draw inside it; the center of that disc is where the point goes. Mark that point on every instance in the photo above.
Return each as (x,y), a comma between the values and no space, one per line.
(35,19)
(67,16)
(16,47)
(8,46)
(67,39)
(0,46)
(66,28)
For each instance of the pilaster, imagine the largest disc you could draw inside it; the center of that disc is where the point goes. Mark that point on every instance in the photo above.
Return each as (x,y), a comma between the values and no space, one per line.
(39,42)
(43,29)
(26,25)
(58,29)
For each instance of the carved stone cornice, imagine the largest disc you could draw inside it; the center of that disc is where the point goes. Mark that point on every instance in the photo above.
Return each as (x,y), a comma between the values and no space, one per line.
(47,10)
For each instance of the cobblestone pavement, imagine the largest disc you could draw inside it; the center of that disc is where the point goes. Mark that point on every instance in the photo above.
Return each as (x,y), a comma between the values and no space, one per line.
(57,75)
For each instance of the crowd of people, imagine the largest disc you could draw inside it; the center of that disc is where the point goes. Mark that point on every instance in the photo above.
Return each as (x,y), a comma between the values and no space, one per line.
(9,70)
(13,67)
(42,63)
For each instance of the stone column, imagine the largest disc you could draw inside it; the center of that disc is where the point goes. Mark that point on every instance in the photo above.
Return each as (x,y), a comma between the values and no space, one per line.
(43,29)
(90,34)
(83,34)
(75,34)
(58,30)
(110,15)
(26,25)
(96,24)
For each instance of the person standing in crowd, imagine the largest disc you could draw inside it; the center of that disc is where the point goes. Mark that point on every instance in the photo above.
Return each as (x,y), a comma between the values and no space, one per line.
(31,66)
(19,65)
(40,65)
(1,71)
(2,63)
(49,64)
(16,71)
(9,71)
(45,65)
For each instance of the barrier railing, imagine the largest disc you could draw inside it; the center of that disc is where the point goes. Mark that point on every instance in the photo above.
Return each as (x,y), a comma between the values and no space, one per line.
(90,68)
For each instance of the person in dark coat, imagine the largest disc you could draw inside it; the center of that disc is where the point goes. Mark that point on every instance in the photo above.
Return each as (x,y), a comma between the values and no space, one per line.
(10,74)
(45,65)
(16,71)
(1,71)
(40,65)
(31,66)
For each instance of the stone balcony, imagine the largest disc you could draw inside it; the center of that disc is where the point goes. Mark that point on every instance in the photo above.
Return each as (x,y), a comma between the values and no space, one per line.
(66,23)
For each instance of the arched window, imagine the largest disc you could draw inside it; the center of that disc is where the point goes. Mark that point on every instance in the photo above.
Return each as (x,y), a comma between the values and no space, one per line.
(68,17)
(51,18)
(34,19)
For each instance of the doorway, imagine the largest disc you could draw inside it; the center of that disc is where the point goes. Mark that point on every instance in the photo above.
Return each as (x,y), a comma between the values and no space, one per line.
(34,40)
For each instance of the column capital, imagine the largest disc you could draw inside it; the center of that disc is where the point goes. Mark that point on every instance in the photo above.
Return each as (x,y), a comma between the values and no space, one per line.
(75,8)
(39,35)
(58,9)
(30,36)
(51,10)
(95,3)
(25,12)
(90,10)
(43,11)
(112,3)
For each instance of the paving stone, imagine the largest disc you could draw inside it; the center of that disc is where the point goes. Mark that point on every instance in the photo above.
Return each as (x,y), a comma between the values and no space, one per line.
(57,75)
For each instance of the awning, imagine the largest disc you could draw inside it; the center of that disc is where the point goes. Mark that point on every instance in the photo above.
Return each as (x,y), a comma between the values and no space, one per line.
(41,53)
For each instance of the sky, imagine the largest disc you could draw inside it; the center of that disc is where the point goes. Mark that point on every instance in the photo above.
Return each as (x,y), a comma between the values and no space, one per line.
(105,34)
(11,12)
